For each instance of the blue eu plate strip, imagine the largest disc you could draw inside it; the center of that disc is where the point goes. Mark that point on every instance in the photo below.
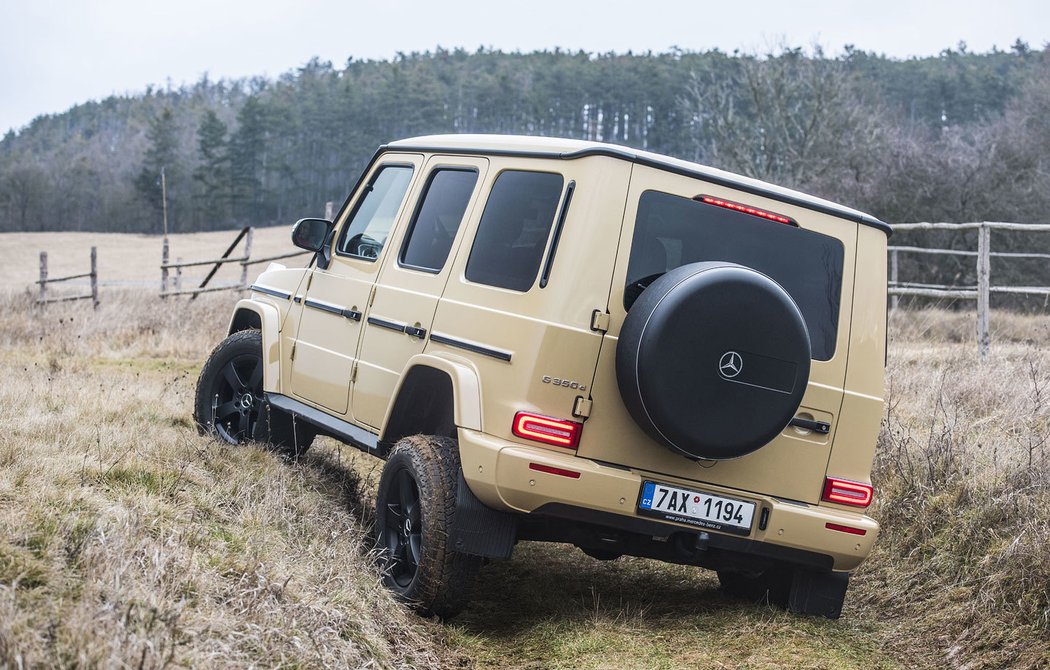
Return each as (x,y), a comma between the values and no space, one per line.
(648,490)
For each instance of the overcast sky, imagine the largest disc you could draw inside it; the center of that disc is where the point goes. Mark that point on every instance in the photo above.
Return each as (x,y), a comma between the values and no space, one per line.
(57,53)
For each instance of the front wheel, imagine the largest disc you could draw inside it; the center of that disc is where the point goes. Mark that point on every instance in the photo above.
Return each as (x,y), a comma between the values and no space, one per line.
(231,404)
(414,514)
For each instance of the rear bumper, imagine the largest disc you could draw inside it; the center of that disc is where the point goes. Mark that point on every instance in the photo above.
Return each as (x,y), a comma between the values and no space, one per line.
(499,474)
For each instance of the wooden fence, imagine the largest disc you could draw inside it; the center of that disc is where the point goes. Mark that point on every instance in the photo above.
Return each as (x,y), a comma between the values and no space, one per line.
(983,254)
(245,261)
(44,281)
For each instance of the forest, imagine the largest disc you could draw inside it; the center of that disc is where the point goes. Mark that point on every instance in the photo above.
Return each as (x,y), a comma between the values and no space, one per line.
(959,136)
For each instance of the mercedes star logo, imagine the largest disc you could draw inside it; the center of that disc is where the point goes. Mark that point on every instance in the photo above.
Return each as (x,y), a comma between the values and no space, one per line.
(730,364)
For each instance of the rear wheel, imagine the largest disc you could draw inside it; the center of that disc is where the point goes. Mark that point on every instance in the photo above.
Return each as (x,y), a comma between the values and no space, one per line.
(800,590)
(414,513)
(231,403)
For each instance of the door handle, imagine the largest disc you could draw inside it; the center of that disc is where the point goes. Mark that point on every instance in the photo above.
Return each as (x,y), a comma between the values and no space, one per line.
(821,427)
(351,314)
(416,332)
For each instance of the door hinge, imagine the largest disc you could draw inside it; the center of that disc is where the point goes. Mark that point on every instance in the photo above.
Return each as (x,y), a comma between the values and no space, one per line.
(292,355)
(582,407)
(353,374)
(372,295)
(600,321)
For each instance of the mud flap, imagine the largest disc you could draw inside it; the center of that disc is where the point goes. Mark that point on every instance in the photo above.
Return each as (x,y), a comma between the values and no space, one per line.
(818,593)
(480,530)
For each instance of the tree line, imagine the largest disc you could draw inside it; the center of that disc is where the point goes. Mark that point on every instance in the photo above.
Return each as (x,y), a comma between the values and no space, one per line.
(959,136)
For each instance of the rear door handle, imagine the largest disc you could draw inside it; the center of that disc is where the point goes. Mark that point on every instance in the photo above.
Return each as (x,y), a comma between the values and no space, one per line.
(416,332)
(821,427)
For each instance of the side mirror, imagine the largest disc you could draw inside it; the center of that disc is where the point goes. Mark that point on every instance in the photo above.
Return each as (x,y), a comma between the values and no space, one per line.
(311,234)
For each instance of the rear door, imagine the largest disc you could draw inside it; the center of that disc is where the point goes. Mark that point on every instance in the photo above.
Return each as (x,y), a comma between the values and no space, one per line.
(665,226)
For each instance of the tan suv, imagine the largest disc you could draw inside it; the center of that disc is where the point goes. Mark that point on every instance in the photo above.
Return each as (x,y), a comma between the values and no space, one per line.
(573,342)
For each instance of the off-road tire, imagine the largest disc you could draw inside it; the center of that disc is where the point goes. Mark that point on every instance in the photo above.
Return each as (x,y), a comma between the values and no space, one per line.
(256,420)
(441,579)
(771,587)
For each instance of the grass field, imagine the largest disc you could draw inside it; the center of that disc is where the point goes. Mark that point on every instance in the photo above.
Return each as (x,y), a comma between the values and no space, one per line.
(128,540)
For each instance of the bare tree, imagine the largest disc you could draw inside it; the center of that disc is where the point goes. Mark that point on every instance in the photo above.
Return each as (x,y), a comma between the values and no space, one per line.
(788,117)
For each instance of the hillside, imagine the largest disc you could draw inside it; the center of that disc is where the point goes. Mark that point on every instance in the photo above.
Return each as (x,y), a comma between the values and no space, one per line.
(960,136)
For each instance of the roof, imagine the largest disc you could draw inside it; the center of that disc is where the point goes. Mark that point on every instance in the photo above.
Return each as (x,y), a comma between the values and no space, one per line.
(556,147)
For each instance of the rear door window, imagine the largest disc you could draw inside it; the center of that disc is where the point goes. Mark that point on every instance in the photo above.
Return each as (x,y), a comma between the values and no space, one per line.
(514,229)
(671,231)
(437,219)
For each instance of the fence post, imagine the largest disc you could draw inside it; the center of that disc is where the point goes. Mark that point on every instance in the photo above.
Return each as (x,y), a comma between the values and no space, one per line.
(164,268)
(178,274)
(247,257)
(94,278)
(984,270)
(328,209)
(895,300)
(43,276)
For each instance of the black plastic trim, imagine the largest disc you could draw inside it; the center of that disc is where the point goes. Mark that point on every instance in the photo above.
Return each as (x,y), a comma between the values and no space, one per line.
(470,346)
(822,427)
(271,291)
(323,306)
(623,154)
(383,323)
(337,428)
(548,264)
(421,333)
(714,540)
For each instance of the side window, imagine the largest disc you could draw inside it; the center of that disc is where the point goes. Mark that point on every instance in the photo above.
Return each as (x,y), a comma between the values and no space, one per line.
(513,230)
(373,216)
(434,226)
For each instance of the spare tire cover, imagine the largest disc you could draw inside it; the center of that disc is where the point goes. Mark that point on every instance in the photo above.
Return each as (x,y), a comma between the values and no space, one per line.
(713,359)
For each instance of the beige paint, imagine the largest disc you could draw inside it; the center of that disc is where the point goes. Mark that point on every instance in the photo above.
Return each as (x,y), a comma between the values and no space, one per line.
(547,332)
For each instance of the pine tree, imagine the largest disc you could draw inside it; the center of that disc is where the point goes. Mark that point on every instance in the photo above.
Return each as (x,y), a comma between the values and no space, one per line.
(162,154)
(248,162)
(212,174)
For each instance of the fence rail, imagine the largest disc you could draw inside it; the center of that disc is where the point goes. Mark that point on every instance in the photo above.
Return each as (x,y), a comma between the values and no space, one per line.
(44,281)
(982,292)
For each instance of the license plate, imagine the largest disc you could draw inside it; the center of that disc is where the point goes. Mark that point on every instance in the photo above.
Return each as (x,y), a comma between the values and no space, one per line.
(699,509)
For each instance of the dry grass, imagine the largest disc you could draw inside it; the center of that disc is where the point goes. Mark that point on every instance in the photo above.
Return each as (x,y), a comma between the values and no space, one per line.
(963,475)
(128,540)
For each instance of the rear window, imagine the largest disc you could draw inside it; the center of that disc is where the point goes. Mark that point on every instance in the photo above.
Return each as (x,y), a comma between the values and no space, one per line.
(513,230)
(671,231)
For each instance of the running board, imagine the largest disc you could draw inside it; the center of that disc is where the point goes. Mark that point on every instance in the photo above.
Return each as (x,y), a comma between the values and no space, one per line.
(337,428)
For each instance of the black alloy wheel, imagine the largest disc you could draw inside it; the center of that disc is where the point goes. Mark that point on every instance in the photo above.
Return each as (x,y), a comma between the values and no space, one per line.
(237,399)
(403,530)
(231,404)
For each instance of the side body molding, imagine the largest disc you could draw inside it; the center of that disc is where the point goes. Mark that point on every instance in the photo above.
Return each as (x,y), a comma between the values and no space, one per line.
(268,320)
(466,388)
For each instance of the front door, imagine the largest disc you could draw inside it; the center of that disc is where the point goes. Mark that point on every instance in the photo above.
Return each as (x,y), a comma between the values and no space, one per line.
(336,297)
(412,280)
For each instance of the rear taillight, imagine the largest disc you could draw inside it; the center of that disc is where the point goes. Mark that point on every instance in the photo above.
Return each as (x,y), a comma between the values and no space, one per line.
(845,492)
(544,429)
(746,209)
